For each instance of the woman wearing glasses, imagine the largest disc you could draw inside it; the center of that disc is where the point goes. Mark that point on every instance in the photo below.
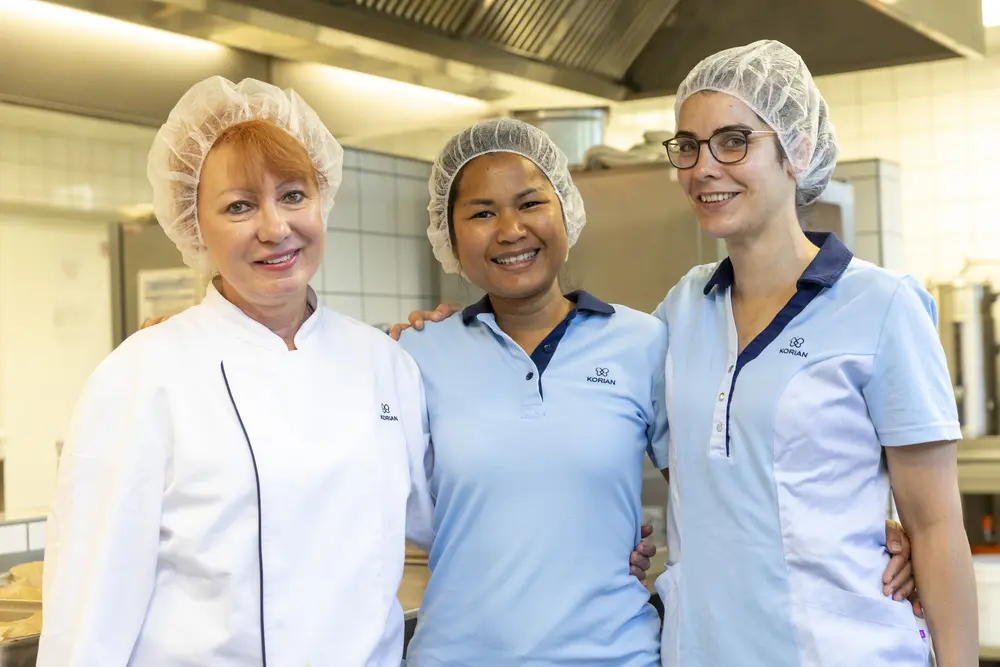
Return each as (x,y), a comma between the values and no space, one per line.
(801,383)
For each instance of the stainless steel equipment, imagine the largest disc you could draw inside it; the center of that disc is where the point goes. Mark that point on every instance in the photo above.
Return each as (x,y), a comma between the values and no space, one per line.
(21,652)
(148,278)
(968,331)
(613,49)
(642,236)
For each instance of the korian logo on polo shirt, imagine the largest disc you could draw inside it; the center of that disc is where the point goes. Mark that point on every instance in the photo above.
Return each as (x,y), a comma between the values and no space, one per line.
(387,415)
(793,348)
(600,376)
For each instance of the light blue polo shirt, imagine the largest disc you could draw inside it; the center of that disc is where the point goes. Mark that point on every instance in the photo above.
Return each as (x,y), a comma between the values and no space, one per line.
(779,488)
(537,477)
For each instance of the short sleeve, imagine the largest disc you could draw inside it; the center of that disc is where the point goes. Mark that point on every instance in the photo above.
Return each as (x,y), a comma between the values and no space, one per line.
(657,429)
(909,395)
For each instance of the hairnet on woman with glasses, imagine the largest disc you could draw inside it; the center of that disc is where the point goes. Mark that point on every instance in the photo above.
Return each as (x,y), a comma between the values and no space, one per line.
(804,383)
(214,503)
(788,369)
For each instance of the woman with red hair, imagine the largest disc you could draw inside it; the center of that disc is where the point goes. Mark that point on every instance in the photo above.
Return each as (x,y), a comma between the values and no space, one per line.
(232,492)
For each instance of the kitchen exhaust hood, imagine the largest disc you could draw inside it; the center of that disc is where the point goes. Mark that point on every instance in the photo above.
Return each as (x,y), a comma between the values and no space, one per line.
(612,49)
(640,48)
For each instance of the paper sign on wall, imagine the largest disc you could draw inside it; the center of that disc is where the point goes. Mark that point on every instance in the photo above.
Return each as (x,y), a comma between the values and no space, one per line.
(166,292)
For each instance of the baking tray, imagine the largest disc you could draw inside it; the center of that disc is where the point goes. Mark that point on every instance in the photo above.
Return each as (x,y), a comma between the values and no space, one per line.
(23,651)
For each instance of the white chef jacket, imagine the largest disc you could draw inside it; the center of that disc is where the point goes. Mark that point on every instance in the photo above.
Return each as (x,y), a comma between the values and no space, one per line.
(153,556)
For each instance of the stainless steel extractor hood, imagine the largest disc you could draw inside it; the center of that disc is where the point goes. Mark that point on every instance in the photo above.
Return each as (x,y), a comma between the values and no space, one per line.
(639,48)
(613,49)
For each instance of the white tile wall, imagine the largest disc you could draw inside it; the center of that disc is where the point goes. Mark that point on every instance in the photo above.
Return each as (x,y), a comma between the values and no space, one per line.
(376,250)
(379,266)
(936,120)
(378,202)
(13,538)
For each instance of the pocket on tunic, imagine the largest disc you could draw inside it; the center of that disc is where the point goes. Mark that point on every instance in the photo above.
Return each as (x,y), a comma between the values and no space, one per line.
(668,587)
(841,629)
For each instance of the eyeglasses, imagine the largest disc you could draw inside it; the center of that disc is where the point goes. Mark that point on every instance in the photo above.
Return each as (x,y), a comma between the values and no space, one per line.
(726,146)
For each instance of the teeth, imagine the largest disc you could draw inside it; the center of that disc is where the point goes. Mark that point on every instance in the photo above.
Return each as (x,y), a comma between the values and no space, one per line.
(723,196)
(523,257)
(279,260)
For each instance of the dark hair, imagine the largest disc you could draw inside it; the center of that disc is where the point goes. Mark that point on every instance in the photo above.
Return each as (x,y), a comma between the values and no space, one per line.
(452,194)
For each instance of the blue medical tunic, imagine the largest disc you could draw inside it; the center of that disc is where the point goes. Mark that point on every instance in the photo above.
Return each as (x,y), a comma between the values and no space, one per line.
(537,476)
(779,488)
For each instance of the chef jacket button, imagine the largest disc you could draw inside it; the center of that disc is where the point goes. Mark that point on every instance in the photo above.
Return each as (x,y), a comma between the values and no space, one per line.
(530,375)
(722,396)
(718,427)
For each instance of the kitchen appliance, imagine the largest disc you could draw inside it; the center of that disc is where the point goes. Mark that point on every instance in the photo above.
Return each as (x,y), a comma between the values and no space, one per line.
(968,332)
(22,651)
(987,570)
(148,277)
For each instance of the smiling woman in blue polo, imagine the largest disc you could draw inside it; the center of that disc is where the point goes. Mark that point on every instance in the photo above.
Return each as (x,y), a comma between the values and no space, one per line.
(802,384)
(541,409)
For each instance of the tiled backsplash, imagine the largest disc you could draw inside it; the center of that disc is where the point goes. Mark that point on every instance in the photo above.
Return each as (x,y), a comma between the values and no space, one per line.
(378,263)
(935,120)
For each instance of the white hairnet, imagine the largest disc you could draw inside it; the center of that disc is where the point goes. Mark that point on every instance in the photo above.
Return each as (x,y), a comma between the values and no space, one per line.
(775,83)
(195,123)
(503,135)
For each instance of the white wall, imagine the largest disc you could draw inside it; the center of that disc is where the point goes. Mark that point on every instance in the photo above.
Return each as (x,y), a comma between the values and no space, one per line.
(55,327)
(938,121)
(62,179)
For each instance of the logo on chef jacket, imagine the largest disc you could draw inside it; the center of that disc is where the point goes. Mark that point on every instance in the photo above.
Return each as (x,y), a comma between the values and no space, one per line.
(600,376)
(795,348)
(387,415)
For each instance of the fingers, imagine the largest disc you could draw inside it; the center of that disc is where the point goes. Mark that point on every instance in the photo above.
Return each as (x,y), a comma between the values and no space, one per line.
(918,608)
(647,549)
(442,312)
(417,318)
(902,585)
(638,573)
(646,530)
(397,329)
(896,540)
(639,560)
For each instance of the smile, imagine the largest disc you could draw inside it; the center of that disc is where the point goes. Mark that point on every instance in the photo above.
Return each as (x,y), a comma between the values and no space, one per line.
(715,197)
(526,256)
(280,262)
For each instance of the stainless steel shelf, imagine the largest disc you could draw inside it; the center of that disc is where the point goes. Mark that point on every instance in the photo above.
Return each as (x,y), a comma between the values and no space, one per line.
(979,465)
(989,652)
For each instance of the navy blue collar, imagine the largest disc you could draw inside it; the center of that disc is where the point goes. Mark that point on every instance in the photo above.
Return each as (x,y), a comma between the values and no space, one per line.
(825,269)
(585,302)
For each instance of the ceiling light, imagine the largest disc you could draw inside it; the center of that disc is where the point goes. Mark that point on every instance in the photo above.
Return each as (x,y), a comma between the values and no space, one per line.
(75,19)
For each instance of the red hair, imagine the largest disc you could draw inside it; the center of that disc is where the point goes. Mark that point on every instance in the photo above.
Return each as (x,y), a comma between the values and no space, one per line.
(266,148)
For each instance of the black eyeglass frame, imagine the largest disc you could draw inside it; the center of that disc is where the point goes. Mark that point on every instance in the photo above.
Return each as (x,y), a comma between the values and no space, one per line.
(698,142)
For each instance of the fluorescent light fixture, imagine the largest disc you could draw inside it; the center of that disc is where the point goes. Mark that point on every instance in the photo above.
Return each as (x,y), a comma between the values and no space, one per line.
(398,93)
(991,13)
(66,17)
